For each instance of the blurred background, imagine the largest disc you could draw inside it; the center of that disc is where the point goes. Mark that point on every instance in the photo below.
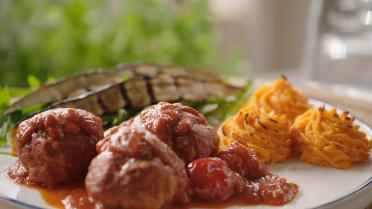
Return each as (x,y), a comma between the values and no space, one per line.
(309,40)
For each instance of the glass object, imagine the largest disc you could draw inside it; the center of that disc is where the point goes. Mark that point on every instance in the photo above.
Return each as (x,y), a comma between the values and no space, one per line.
(339,42)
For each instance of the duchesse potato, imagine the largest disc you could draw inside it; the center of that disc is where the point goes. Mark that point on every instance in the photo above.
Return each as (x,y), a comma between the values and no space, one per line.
(324,137)
(281,98)
(265,132)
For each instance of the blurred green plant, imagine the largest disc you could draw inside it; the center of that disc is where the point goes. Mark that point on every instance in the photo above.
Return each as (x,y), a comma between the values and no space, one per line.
(42,40)
(55,38)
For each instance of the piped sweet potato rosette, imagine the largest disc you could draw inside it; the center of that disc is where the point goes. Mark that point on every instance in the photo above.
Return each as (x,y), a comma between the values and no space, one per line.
(280,97)
(265,132)
(277,122)
(326,138)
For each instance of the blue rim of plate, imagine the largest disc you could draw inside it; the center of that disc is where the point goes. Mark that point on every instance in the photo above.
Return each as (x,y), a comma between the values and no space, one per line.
(338,200)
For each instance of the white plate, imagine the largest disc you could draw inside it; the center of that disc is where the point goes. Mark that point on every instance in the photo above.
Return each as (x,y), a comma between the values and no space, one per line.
(320,187)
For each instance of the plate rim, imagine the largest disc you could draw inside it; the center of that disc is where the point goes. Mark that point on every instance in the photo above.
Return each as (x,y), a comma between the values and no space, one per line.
(9,200)
(348,195)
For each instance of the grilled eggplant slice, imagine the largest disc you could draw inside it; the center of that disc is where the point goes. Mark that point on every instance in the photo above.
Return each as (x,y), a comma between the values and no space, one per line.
(102,92)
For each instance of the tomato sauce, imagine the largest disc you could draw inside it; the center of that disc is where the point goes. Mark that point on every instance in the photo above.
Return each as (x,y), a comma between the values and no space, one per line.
(74,195)
(69,196)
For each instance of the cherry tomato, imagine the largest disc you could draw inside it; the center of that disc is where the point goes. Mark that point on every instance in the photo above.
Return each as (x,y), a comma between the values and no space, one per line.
(243,161)
(211,179)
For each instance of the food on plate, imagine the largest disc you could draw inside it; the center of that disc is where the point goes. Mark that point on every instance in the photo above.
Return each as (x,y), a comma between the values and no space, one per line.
(325,137)
(272,190)
(143,150)
(244,161)
(281,98)
(169,85)
(260,186)
(56,146)
(118,94)
(141,163)
(132,85)
(137,170)
(103,143)
(168,155)
(265,132)
(278,123)
(212,179)
(182,128)
(227,175)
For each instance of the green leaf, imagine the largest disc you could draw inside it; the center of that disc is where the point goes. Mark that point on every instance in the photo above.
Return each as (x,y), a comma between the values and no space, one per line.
(33,82)
(120,117)
(8,121)
(6,124)
(32,109)
(207,108)
(17,91)
(4,102)
(51,79)
(4,96)
(124,76)
(219,109)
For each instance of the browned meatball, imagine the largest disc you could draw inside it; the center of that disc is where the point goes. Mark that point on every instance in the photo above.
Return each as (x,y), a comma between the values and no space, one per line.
(181,127)
(136,170)
(102,144)
(56,146)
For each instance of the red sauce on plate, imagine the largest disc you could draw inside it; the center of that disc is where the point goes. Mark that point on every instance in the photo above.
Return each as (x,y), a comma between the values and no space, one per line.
(69,196)
(74,195)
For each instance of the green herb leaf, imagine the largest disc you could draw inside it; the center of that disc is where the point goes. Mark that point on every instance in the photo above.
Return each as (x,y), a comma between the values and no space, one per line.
(8,121)
(120,117)
(6,124)
(51,79)
(4,96)
(124,76)
(219,109)
(33,82)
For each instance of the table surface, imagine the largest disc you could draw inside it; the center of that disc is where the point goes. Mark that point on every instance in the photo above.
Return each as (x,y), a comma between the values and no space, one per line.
(360,108)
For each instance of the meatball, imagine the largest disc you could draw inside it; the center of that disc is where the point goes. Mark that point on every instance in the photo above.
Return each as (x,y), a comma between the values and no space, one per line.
(129,182)
(108,134)
(181,127)
(135,169)
(243,161)
(56,146)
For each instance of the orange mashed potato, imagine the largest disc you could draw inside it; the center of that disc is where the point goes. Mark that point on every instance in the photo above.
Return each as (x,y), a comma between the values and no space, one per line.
(281,98)
(265,132)
(326,138)
(277,123)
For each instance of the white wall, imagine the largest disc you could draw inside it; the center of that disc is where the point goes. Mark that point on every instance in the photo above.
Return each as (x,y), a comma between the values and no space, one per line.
(271,32)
